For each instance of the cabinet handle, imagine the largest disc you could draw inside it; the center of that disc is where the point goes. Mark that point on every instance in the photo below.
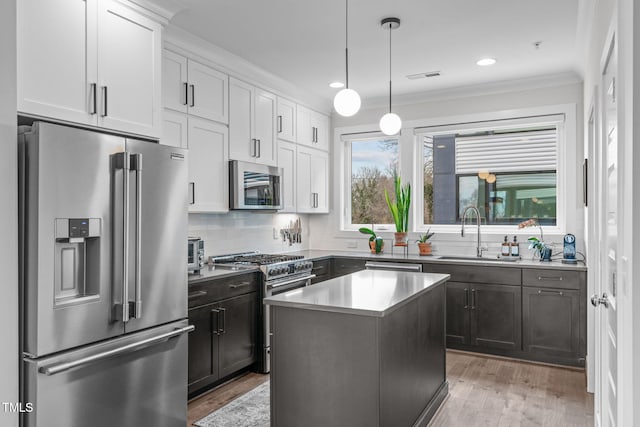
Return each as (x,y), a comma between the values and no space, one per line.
(193,95)
(473,299)
(94,101)
(252,148)
(215,316)
(196,294)
(222,329)
(104,101)
(240,285)
(279,124)
(557,278)
(315,134)
(546,291)
(186,93)
(259,148)
(466,298)
(192,193)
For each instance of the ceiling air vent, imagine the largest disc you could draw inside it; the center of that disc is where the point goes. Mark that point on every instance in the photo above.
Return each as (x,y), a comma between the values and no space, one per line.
(424,75)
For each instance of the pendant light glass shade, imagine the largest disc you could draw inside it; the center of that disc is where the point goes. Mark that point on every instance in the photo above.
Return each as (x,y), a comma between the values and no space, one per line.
(347,101)
(390,123)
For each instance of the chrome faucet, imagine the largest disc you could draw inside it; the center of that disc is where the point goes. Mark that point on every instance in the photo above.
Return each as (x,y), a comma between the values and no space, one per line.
(479,248)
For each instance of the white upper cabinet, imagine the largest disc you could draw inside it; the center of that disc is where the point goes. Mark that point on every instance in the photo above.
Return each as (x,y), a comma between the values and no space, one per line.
(208,166)
(312,182)
(286,120)
(252,124)
(194,88)
(175,129)
(98,66)
(287,162)
(312,128)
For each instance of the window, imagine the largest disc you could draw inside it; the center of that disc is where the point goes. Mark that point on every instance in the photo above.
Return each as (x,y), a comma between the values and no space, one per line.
(509,174)
(372,165)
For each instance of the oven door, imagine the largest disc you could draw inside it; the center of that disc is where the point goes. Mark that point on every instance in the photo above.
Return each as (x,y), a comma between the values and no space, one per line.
(274,288)
(254,187)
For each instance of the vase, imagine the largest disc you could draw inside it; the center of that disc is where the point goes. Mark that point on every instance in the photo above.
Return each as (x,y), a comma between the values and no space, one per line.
(400,238)
(545,255)
(372,246)
(424,248)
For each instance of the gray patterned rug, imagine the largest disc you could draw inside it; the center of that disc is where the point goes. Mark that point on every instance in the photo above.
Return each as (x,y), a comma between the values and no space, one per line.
(249,410)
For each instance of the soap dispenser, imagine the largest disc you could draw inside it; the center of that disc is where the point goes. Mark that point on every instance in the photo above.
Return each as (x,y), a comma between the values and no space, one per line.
(515,247)
(506,248)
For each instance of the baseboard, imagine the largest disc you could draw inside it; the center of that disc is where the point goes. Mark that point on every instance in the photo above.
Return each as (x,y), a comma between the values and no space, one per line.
(433,406)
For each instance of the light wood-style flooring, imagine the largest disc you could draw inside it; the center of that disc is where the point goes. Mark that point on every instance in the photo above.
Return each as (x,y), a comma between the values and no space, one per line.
(483,391)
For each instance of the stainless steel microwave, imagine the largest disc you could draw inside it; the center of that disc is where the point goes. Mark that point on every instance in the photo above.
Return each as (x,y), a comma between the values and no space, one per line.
(254,187)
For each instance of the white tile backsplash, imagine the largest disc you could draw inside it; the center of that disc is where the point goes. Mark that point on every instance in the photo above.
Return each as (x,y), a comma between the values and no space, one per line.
(239,231)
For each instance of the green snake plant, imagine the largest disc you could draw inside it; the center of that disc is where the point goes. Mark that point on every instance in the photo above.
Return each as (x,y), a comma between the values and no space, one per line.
(400,207)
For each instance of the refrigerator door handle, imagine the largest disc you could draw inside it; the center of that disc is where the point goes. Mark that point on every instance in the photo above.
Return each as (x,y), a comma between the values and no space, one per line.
(129,348)
(136,165)
(122,161)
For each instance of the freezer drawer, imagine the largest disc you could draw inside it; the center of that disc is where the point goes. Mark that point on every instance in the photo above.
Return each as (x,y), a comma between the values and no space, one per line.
(135,380)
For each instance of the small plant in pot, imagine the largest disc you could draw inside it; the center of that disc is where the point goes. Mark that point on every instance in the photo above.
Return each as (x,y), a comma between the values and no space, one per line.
(400,210)
(376,244)
(424,246)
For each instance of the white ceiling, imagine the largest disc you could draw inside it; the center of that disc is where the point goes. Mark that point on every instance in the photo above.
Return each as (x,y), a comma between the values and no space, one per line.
(302,41)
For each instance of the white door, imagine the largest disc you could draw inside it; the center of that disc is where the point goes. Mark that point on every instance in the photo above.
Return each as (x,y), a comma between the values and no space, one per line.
(242,145)
(208,93)
(286,120)
(208,166)
(56,47)
(320,181)
(287,161)
(174,129)
(304,128)
(605,298)
(265,127)
(129,70)
(174,81)
(320,123)
(304,198)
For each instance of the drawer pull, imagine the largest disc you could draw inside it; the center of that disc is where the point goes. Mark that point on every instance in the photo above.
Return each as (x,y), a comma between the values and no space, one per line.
(540,291)
(240,285)
(197,294)
(558,278)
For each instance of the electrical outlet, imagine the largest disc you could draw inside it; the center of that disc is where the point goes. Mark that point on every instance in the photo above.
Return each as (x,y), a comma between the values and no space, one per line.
(352,244)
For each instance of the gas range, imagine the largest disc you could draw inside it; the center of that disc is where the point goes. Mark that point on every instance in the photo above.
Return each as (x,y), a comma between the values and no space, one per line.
(273,266)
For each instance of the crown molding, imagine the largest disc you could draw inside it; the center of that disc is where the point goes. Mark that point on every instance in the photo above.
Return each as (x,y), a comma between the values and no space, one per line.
(180,41)
(166,9)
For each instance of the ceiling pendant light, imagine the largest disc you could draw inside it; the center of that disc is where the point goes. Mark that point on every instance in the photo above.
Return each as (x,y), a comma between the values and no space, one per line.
(390,123)
(347,101)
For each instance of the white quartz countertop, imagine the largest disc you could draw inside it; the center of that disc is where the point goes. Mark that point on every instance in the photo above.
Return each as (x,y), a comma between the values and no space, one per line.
(367,292)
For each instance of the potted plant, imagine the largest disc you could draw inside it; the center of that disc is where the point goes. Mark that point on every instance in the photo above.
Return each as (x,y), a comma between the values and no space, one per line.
(400,210)
(424,246)
(376,244)
(541,248)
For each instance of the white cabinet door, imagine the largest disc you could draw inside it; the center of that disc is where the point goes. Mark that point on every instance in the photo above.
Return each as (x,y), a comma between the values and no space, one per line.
(56,64)
(208,93)
(287,161)
(320,123)
(208,166)
(174,81)
(242,144)
(265,127)
(312,180)
(175,129)
(304,128)
(286,120)
(129,70)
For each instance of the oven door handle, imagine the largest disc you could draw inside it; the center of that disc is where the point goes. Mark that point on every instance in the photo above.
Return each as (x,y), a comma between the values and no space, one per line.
(289,282)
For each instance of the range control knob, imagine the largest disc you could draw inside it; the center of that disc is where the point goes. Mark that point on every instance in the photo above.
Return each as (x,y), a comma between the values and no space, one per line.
(271,272)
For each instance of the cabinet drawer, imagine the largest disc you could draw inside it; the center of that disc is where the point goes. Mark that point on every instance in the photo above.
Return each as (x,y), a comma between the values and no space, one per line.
(343,266)
(477,274)
(546,278)
(322,270)
(219,289)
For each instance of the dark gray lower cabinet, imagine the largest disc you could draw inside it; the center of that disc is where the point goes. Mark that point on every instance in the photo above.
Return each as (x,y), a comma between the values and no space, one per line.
(322,270)
(551,320)
(342,266)
(237,343)
(484,316)
(203,361)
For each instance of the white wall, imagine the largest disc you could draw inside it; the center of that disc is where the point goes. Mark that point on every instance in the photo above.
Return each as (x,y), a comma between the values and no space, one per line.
(326,234)
(8,214)
(246,231)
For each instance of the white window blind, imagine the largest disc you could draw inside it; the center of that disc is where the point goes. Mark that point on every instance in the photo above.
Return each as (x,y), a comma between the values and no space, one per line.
(507,152)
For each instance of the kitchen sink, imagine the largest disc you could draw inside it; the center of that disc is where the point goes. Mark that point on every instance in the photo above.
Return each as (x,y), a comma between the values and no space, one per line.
(475,258)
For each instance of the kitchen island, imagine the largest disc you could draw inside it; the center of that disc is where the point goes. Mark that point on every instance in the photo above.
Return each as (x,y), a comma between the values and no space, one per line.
(365,349)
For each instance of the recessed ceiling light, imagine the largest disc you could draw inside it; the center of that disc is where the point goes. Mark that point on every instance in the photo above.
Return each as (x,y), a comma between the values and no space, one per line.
(486,61)
(336,85)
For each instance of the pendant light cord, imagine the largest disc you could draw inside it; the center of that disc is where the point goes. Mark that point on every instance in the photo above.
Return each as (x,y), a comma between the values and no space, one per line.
(346,42)
(390,67)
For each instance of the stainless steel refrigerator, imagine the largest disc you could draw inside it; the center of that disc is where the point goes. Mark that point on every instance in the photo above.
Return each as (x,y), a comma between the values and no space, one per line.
(103,279)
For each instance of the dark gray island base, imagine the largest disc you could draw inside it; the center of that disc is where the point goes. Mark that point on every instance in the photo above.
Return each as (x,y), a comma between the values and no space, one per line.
(366,349)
